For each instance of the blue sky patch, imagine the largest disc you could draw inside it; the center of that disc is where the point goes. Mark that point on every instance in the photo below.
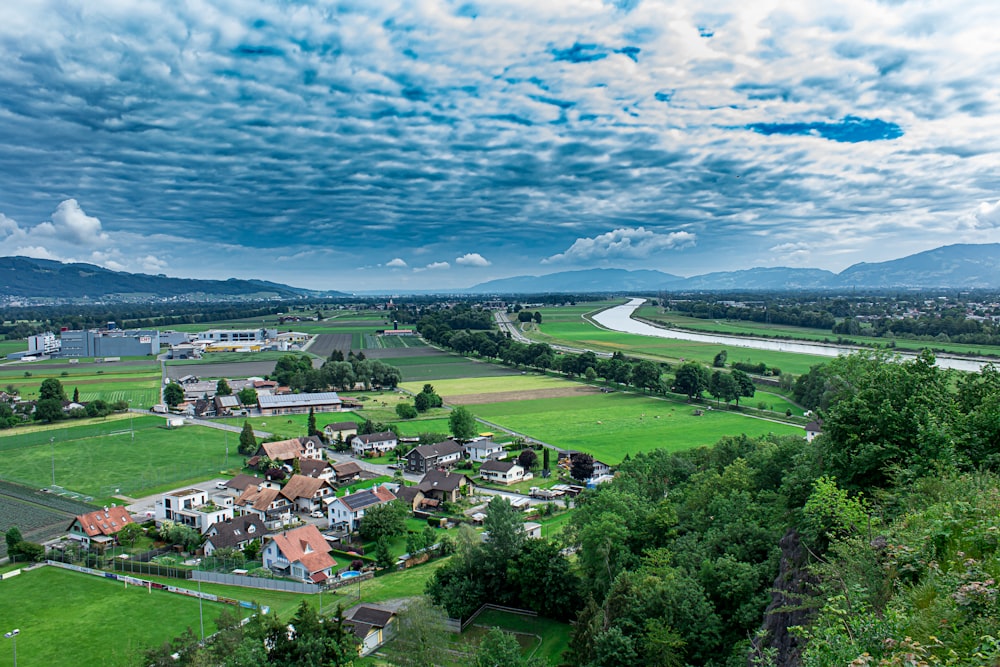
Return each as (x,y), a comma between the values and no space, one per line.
(851,129)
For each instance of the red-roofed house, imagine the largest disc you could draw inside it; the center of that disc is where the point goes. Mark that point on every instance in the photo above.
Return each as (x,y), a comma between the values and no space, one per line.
(301,553)
(100,527)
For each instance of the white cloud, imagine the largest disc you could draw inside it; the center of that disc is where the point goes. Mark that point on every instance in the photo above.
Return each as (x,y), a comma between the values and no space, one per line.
(152,264)
(70,220)
(472,259)
(626,242)
(397,263)
(38,252)
(988,214)
(435,266)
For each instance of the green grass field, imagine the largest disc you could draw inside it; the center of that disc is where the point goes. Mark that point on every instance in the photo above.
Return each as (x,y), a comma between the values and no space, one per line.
(413,428)
(446,367)
(612,425)
(12,346)
(103,462)
(491,385)
(110,382)
(554,636)
(73,618)
(231,358)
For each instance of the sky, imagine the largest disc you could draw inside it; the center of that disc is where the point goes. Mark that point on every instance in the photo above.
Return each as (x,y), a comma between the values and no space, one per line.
(433,144)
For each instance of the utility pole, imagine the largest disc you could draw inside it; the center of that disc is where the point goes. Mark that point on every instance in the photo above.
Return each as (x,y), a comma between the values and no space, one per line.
(130,427)
(52,450)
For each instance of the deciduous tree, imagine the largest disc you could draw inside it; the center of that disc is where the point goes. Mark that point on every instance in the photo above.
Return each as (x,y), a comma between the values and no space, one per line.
(462,423)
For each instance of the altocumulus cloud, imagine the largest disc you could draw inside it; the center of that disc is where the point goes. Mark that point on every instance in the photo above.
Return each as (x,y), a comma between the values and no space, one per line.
(396,263)
(472,259)
(624,243)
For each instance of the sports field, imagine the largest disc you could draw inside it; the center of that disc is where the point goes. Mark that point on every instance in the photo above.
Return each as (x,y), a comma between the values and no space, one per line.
(70,618)
(102,459)
(609,426)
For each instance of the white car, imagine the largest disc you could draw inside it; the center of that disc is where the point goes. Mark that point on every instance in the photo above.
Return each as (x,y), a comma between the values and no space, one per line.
(317,514)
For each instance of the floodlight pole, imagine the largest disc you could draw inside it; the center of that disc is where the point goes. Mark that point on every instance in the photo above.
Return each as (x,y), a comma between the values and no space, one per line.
(52,450)
(12,635)
(130,427)
(201,613)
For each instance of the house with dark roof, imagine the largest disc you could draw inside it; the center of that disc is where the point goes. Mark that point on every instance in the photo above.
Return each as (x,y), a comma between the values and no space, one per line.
(346,513)
(439,455)
(268,503)
(235,533)
(318,469)
(502,472)
(239,483)
(372,626)
(225,405)
(346,472)
(374,444)
(813,429)
(301,553)
(444,486)
(100,527)
(295,404)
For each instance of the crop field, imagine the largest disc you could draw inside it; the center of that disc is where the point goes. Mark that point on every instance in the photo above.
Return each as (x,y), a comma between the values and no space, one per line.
(428,367)
(490,385)
(323,345)
(139,381)
(12,346)
(609,426)
(74,618)
(229,358)
(109,462)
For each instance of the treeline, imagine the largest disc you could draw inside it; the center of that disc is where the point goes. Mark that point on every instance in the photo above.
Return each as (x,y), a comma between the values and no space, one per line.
(297,372)
(791,315)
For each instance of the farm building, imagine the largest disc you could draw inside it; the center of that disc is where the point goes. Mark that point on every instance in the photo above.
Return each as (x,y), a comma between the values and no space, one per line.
(294,404)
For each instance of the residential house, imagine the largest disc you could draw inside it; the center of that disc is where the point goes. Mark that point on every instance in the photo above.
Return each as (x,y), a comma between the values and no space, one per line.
(295,448)
(374,444)
(306,493)
(193,507)
(235,533)
(481,449)
(225,405)
(295,404)
(99,528)
(343,431)
(318,469)
(268,503)
(346,472)
(301,553)
(444,486)
(439,455)
(237,485)
(813,429)
(346,513)
(372,626)
(502,472)
(532,530)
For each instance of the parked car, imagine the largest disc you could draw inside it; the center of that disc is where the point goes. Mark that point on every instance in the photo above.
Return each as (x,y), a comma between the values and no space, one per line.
(317,514)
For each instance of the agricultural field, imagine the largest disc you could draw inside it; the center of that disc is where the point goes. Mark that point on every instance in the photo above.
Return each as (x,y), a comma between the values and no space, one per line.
(428,366)
(213,358)
(105,462)
(39,516)
(609,426)
(570,328)
(12,346)
(91,620)
(138,381)
(473,391)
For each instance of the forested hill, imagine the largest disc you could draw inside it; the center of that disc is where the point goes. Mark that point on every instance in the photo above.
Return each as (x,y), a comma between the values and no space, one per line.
(31,278)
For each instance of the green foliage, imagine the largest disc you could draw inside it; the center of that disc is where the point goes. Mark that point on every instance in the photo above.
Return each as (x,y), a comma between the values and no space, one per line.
(692,379)
(498,649)
(311,423)
(386,520)
(720,359)
(419,639)
(173,394)
(49,410)
(247,396)
(51,389)
(462,423)
(248,441)
(222,388)
(406,411)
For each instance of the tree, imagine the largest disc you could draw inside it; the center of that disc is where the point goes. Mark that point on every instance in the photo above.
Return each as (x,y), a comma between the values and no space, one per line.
(49,410)
(505,527)
(720,359)
(405,411)
(383,555)
(421,402)
(51,389)
(248,441)
(498,649)
(222,388)
(13,538)
(537,317)
(98,408)
(581,466)
(173,395)
(129,533)
(247,396)
(177,533)
(723,386)
(691,378)
(385,520)
(545,459)
(744,385)
(646,375)
(418,640)
(76,394)
(462,423)
(527,459)
(311,423)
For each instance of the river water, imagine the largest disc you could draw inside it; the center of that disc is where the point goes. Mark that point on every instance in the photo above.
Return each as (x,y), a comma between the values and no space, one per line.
(620,319)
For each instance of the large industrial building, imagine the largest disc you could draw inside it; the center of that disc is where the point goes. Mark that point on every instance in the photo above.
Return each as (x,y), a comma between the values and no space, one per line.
(110,343)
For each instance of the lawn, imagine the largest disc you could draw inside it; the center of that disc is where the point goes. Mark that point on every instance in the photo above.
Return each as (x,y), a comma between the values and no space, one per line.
(110,462)
(554,635)
(73,618)
(12,346)
(490,385)
(414,427)
(609,426)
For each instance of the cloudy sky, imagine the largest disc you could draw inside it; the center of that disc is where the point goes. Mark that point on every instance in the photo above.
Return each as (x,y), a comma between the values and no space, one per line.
(433,144)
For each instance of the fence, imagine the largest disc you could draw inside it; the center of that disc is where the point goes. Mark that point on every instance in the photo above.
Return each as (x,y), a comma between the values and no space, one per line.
(136,567)
(255,582)
(458,625)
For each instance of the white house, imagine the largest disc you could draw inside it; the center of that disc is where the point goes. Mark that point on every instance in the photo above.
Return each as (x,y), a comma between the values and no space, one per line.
(346,513)
(374,443)
(502,472)
(813,429)
(306,492)
(193,507)
(481,449)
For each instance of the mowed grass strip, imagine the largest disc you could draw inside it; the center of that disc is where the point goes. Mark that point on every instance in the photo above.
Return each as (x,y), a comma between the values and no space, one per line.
(609,426)
(111,463)
(70,618)
(491,385)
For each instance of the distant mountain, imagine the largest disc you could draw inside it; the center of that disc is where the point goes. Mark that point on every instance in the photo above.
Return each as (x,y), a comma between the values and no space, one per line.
(963,266)
(587,280)
(960,265)
(29,278)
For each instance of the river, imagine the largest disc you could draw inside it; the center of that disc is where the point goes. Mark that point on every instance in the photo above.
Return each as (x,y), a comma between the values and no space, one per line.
(620,319)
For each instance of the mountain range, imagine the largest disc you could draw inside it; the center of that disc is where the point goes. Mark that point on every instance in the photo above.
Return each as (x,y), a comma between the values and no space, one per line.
(29,278)
(961,266)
